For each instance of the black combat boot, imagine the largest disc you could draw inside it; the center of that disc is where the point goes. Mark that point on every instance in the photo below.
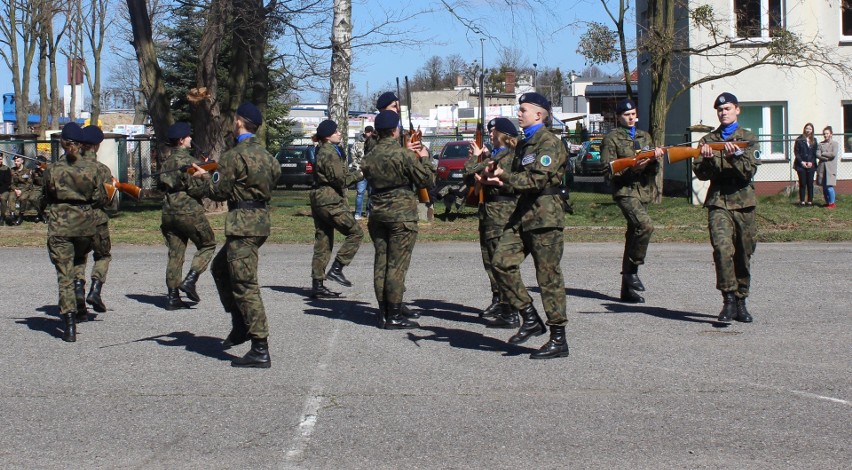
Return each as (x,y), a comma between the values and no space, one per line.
(742,312)
(631,277)
(507,318)
(258,356)
(175,302)
(395,320)
(319,291)
(628,294)
(336,274)
(729,307)
(188,286)
(383,313)
(80,299)
(94,297)
(492,310)
(239,332)
(70,333)
(20,218)
(408,313)
(532,325)
(557,346)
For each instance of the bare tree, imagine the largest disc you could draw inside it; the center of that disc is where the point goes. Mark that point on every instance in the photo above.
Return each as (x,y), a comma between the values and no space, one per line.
(341,65)
(97,23)
(19,36)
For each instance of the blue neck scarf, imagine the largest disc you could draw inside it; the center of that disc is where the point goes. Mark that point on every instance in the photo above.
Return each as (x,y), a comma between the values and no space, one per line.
(529,131)
(243,137)
(631,131)
(498,150)
(337,147)
(728,130)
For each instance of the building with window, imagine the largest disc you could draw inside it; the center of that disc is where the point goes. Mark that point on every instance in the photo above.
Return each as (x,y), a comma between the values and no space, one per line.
(776,103)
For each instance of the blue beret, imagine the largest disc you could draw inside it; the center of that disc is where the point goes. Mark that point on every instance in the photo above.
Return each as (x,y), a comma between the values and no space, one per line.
(250,112)
(178,130)
(93,135)
(387,120)
(725,98)
(534,98)
(504,126)
(624,105)
(326,128)
(72,131)
(385,99)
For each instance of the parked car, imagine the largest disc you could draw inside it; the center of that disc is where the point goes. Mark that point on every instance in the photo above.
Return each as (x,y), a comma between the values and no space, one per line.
(589,159)
(451,162)
(297,165)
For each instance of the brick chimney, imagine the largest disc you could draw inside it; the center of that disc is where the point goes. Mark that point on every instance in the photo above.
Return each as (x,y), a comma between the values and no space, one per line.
(510,82)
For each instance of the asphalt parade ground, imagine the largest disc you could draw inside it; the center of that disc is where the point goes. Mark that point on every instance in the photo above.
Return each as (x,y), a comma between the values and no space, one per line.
(657,385)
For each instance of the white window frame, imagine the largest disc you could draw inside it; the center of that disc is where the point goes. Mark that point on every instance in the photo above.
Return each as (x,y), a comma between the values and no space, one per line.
(843,133)
(767,131)
(764,21)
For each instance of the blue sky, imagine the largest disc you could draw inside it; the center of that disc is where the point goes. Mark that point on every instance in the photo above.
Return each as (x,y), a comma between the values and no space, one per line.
(547,35)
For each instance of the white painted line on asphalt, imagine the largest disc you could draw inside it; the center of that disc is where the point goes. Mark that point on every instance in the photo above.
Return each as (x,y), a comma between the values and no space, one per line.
(821,397)
(310,411)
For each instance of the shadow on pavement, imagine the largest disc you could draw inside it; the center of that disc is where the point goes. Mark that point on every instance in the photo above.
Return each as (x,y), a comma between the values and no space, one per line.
(52,310)
(353,311)
(465,339)
(665,313)
(52,325)
(159,301)
(448,311)
(202,345)
(302,291)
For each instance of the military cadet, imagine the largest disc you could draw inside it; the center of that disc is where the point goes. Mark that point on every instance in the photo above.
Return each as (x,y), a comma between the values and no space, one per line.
(331,212)
(20,194)
(632,190)
(183,218)
(102,245)
(535,227)
(5,192)
(393,172)
(498,204)
(245,178)
(360,149)
(72,189)
(730,204)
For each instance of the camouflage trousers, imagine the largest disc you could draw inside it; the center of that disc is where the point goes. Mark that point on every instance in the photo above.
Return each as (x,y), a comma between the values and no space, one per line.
(101,248)
(488,246)
(546,247)
(393,242)
(638,233)
(68,254)
(7,203)
(177,230)
(733,234)
(327,219)
(234,270)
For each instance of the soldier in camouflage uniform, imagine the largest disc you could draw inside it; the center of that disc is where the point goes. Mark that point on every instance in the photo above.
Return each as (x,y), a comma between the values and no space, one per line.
(21,193)
(498,205)
(393,172)
(72,189)
(245,178)
(632,190)
(331,212)
(5,192)
(535,227)
(183,218)
(361,148)
(102,245)
(730,204)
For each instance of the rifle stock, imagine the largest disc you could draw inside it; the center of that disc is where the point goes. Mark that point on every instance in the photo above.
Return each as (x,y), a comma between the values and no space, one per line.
(127,188)
(677,154)
(209,166)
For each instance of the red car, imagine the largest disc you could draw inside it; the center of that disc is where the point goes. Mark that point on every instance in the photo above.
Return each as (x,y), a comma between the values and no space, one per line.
(451,162)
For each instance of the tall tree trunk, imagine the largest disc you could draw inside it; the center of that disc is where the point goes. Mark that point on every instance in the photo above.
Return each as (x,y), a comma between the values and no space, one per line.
(43,100)
(661,26)
(244,21)
(622,45)
(207,121)
(341,63)
(55,101)
(149,70)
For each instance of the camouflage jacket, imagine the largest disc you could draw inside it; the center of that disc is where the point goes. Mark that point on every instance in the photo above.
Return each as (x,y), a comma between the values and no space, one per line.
(5,177)
(71,192)
(369,145)
(105,176)
(730,177)
(331,177)
(618,144)
(246,173)
(538,167)
(393,172)
(182,192)
(499,201)
(358,152)
(22,179)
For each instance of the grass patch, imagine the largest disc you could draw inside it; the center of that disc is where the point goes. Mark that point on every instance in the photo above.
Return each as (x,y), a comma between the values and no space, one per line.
(596,219)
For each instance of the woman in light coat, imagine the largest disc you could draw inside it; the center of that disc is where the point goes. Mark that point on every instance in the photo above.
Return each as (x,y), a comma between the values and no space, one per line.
(828,153)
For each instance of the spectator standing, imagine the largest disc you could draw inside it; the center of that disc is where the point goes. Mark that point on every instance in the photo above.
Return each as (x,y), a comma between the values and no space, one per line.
(362,147)
(828,152)
(805,151)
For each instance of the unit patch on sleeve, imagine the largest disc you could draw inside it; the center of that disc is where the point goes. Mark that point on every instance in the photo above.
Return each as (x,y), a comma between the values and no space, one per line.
(528,159)
(546,160)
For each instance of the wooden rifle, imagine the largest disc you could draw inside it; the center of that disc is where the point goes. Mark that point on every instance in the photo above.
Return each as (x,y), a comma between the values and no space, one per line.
(415,137)
(127,188)
(675,154)
(209,166)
